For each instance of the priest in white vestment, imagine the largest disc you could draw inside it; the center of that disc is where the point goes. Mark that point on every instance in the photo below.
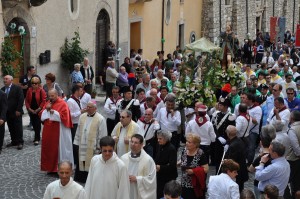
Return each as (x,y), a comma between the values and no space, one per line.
(141,169)
(91,128)
(123,132)
(65,187)
(108,176)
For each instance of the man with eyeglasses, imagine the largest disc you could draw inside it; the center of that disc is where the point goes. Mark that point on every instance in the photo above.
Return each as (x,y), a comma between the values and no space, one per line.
(91,128)
(108,176)
(123,132)
(288,83)
(292,101)
(276,92)
(141,170)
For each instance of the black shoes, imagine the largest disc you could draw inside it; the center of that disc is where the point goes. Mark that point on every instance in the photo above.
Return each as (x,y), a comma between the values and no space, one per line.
(11,144)
(20,147)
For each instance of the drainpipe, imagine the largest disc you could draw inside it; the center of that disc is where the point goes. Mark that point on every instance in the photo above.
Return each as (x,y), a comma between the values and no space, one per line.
(273,8)
(220,15)
(247,16)
(162,24)
(2,26)
(118,30)
(294,16)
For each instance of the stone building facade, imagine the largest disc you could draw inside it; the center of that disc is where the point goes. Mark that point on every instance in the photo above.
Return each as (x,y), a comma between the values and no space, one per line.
(246,16)
(49,24)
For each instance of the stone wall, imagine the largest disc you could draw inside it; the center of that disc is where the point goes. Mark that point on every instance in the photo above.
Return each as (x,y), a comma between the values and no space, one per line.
(235,13)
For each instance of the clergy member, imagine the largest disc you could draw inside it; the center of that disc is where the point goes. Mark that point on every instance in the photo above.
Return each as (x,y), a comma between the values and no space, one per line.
(91,128)
(123,132)
(141,169)
(57,138)
(65,187)
(108,176)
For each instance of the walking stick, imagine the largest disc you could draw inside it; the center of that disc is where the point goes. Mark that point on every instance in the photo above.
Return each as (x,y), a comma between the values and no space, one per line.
(222,160)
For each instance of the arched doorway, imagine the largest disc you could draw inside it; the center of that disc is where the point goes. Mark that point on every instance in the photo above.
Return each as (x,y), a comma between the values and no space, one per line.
(22,45)
(102,37)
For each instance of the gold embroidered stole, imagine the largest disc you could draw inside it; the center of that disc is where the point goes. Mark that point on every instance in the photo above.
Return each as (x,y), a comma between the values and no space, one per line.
(91,140)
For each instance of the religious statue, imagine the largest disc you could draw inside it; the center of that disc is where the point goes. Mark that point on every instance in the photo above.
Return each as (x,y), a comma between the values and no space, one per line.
(229,45)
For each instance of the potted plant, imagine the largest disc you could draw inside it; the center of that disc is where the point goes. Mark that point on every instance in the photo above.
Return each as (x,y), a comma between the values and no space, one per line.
(72,53)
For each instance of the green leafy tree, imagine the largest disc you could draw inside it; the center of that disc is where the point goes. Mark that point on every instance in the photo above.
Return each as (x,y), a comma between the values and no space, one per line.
(9,55)
(72,53)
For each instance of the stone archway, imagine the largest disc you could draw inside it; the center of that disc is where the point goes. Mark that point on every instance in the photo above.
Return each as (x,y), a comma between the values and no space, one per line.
(22,16)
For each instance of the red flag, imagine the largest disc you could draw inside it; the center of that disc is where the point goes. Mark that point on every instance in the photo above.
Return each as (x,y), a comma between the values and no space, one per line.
(273,24)
(297,42)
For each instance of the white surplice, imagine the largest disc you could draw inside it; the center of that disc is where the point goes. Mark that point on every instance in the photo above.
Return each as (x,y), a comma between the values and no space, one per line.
(144,169)
(72,190)
(107,179)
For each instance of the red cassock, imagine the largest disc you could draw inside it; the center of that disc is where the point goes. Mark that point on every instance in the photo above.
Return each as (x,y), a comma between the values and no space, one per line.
(51,134)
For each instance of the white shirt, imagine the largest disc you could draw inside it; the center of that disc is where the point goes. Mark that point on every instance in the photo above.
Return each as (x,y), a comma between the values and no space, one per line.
(74,110)
(72,190)
(256,113)
(295,75)
(151,131)
(84,100)
(222,186)
(110,108)
(270,61)
(284,115)
(286,85)
(206,132)
(242,126)
(168,123)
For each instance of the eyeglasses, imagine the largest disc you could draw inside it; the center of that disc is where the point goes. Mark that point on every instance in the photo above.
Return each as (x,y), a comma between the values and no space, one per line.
(289,78)
(34,83)
(107,151)
(290,93)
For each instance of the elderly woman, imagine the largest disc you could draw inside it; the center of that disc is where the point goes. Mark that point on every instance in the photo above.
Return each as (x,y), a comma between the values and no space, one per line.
(34,102)
(194,167)
(50,83)
(76,76)
(266,137)
(223,185)
(165,160)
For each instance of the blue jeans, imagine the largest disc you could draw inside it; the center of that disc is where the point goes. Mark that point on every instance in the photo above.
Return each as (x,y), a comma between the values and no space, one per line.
(251,147)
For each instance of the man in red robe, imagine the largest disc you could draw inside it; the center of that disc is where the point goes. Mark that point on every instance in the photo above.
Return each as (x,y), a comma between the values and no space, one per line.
(57,139)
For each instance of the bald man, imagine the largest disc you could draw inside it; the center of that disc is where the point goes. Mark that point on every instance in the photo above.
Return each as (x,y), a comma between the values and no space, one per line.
(15,101)
(57,137)
(237,152)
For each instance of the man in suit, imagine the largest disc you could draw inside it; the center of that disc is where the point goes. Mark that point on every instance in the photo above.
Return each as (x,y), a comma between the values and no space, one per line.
(3,109)
(237,152)
(15,101)
(88,75)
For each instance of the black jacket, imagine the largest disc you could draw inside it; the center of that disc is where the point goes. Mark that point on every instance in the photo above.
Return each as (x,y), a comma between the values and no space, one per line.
(237,152)
(166,157)
(3,105)
(15,100)
(83,73)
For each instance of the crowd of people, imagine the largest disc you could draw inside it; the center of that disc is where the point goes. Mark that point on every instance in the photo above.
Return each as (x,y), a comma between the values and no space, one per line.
(134,149)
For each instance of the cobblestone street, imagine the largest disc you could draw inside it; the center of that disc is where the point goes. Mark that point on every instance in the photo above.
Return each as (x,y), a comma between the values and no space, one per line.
(20,173)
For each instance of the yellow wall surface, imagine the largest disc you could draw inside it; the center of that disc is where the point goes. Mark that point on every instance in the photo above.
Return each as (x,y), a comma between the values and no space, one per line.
(150,14)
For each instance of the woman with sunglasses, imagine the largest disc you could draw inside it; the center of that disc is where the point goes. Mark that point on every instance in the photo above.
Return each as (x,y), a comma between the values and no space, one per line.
(34,101)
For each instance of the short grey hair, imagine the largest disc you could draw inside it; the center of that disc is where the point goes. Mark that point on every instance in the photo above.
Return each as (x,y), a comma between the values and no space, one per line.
(278,125)
(153,80)
(128,112)
(167,135)
(278,148)
(92,103)
(268,130)
(65,162)
(76,65)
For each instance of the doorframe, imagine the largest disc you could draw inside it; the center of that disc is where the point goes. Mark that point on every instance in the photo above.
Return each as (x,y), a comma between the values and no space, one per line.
(135,20)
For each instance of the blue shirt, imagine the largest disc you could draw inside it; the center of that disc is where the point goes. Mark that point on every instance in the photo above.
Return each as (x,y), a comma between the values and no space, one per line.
(77,77)
(277,173)
(294,104)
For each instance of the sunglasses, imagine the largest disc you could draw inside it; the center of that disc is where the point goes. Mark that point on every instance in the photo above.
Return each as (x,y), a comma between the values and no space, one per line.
(34,83)
(290,93)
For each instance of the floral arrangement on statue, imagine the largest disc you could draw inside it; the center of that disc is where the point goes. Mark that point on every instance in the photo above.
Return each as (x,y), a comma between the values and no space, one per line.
(195,91)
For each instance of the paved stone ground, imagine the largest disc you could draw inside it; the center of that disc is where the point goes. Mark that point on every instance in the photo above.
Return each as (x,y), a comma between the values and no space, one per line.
(20,175)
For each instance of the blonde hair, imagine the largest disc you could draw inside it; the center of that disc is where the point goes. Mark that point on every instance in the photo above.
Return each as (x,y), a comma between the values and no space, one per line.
(194,138)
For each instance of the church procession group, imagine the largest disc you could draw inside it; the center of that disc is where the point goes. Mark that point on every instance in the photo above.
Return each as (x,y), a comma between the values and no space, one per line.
(134,150)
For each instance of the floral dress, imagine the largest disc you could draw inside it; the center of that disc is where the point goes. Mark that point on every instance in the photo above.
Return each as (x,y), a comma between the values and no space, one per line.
(189,162)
